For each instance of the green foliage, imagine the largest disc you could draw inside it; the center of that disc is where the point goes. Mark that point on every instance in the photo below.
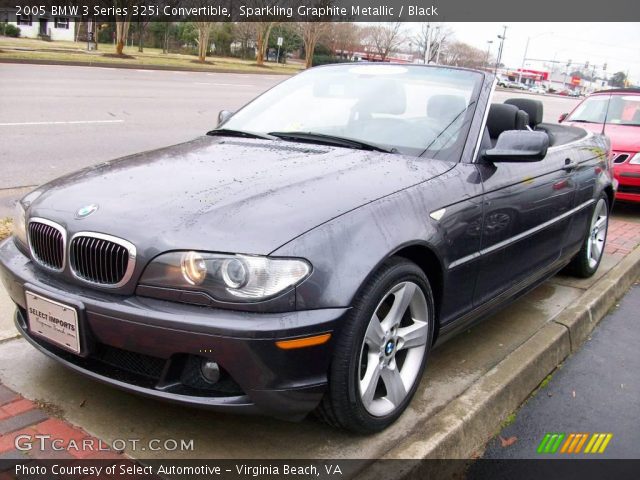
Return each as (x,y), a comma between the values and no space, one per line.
(11,30)
(106,32)
(222,37)
(618,79)
(188,33)
(291,41)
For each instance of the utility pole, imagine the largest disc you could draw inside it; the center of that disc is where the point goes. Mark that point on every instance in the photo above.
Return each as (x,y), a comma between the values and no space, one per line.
(524,59)
(502,39)
(427,53)
(439,45)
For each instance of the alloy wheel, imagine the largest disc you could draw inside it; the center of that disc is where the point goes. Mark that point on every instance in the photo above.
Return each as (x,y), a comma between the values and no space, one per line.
(597,233)
(393,349)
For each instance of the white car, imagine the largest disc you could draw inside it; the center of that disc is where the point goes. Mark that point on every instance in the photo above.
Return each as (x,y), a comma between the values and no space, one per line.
(537,89)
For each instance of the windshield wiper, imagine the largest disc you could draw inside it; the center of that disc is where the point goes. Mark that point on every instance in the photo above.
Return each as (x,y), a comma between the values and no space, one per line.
(580,120)
(325,139)
(228,132)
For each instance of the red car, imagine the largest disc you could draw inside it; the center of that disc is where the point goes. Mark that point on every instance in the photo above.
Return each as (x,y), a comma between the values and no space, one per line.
(617,114)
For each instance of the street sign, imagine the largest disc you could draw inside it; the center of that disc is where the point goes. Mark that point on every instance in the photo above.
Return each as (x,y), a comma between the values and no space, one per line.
(280,41)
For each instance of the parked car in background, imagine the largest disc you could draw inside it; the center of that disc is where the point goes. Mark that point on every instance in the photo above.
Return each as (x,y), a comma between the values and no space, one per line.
(616,113)
(516,85)
(502,81)
(537,89)
(310,251)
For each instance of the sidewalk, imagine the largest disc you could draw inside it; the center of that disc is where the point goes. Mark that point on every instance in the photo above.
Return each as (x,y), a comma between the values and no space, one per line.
(597,390)
(22,423)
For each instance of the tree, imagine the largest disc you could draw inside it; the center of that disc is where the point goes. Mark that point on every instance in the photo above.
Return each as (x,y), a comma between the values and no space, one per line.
(245,35)
(461,54)
(262,31)
(122,24)
(618,79)
(291,41)
(204,32)
(437,34)
(223,36)
(383,39)
(343,38)
(310,33)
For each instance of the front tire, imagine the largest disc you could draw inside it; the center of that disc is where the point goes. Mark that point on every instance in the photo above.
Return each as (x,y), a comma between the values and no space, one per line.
(588,259)
(382,350)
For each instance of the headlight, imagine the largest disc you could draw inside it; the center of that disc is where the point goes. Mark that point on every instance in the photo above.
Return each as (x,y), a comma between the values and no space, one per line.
(635,160)
(226,278)
(20,223)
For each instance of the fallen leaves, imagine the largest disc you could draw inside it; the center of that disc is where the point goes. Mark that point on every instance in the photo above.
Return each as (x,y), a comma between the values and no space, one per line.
(507,442)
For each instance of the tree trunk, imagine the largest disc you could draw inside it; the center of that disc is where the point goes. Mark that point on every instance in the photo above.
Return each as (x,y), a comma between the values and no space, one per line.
(140,38)
(263,42)
(308,50)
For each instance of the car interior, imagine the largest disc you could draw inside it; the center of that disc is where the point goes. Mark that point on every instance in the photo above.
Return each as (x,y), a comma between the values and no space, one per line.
(525,114)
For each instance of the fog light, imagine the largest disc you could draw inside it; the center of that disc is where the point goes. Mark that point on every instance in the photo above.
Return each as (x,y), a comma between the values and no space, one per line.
(210,370)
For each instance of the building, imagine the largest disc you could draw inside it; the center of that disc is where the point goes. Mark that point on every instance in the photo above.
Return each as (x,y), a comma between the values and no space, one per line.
(44,27)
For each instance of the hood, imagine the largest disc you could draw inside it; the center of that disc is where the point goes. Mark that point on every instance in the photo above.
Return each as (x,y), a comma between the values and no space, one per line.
(624,138)
(226,195)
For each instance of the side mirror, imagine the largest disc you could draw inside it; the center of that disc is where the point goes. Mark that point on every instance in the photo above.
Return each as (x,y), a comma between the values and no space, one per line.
(563,117)
(519,146)
(223,116)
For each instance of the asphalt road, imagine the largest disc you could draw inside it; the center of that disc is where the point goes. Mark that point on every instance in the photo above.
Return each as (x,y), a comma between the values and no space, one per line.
(595,390)
(57,119)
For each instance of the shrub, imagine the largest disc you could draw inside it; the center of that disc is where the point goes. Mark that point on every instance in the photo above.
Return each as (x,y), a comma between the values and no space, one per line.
(11,30)
(326,59)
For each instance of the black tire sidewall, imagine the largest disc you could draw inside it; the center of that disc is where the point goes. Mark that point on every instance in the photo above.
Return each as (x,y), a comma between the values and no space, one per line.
(349,408)
(584,259)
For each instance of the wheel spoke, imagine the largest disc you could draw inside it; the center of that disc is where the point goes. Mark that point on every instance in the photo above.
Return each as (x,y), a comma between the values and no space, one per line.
(369,383)
(412,336)
(401,301)
(601,222)
(374,335)
(597,249)
(394,385)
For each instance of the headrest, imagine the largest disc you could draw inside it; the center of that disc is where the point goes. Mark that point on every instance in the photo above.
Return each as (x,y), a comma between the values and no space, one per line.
(534,109)
(389,95)
(445,107)
(504,117)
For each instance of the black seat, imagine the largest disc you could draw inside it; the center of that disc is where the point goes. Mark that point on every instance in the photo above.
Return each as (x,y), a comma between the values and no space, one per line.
(504,117)
(534,109)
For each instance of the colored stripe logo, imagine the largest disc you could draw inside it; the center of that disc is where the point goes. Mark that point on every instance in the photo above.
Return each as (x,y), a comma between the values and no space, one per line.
(574,443)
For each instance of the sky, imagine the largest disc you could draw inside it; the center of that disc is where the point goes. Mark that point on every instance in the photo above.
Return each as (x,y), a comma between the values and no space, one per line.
(617,44)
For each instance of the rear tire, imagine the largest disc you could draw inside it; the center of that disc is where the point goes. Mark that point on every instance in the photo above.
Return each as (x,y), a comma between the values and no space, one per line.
(382,350)
(588,259)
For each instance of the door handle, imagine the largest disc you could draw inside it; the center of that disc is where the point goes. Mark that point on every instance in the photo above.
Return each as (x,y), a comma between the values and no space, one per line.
(569,165)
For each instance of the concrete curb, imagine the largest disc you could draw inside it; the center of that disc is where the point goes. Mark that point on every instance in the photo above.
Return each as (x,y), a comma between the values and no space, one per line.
(583,316)
(138,67)
(462,427)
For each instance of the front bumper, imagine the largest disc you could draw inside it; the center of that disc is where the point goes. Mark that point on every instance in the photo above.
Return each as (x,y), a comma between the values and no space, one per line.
(153,347)
(628,177)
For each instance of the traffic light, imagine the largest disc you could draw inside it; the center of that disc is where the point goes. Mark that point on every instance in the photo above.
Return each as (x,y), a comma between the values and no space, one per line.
(604,67)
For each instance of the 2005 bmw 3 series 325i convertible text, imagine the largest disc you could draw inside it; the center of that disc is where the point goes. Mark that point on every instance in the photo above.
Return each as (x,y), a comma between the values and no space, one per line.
(309,252)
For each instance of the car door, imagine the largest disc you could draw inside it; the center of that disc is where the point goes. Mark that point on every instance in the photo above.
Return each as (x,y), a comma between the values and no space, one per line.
(526,210)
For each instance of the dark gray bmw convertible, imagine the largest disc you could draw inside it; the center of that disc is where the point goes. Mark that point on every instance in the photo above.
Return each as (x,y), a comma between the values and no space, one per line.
(309,252)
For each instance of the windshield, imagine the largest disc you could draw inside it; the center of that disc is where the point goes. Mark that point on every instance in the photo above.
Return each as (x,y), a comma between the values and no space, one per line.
(410,109)
(617,109)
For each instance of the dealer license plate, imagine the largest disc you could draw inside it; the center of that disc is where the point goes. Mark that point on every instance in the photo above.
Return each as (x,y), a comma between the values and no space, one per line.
(53,321)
